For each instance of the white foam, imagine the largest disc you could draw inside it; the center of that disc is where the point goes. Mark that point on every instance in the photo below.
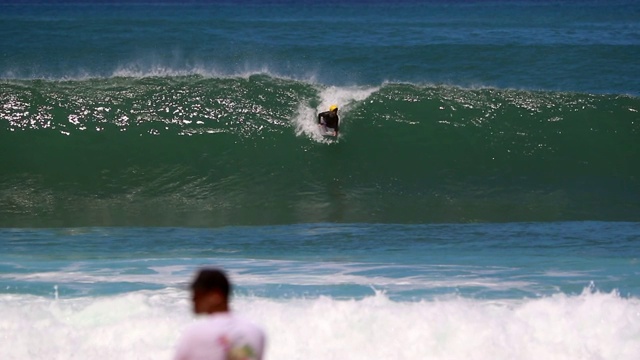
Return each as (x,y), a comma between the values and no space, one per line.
(140,70)
(146,325)
(147,68)
(288,272)
(305,119)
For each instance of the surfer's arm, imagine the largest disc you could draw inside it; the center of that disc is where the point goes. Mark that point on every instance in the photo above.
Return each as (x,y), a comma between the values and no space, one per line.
(321,116)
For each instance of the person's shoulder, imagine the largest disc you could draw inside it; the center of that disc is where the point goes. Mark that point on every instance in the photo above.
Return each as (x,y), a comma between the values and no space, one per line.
(208,327)
(223,322)
(246,333)
(247,323)
(197,327)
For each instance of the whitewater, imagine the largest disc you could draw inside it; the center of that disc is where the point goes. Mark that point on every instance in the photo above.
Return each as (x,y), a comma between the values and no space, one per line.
(144,325)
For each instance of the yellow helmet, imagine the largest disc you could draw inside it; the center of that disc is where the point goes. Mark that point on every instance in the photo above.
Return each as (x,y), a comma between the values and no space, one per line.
(333,107)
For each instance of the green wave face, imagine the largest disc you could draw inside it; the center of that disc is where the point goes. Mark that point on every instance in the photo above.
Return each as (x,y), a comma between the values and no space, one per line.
(195,151)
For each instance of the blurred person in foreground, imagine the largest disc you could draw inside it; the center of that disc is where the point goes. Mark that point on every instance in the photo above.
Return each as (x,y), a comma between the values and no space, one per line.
(220,334)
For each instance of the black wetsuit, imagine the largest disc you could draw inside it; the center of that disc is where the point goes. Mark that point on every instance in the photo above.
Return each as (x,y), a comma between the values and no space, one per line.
(331,119)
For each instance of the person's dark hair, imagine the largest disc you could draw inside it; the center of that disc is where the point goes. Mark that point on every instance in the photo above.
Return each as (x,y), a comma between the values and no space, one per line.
(210,279)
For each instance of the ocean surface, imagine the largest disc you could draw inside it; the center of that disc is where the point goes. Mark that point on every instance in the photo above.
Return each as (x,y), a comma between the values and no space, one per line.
(481,202)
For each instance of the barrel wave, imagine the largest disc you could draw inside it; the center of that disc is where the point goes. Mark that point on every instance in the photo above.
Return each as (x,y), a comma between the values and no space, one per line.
(203,151)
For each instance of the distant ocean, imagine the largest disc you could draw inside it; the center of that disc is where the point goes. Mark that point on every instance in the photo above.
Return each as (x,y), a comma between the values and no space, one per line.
(482,201)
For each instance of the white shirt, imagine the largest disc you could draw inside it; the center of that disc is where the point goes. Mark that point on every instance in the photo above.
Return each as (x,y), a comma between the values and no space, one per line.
(222,336)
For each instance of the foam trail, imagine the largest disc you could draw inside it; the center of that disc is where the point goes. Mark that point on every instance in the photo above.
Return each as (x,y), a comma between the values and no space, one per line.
(344,97)
(147,324)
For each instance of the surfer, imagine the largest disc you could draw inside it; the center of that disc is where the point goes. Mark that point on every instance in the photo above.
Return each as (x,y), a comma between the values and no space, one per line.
(330,120)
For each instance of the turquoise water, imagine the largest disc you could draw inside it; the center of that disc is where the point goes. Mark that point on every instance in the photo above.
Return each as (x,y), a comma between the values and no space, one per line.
(483,200)
(584,46)
(407,262)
